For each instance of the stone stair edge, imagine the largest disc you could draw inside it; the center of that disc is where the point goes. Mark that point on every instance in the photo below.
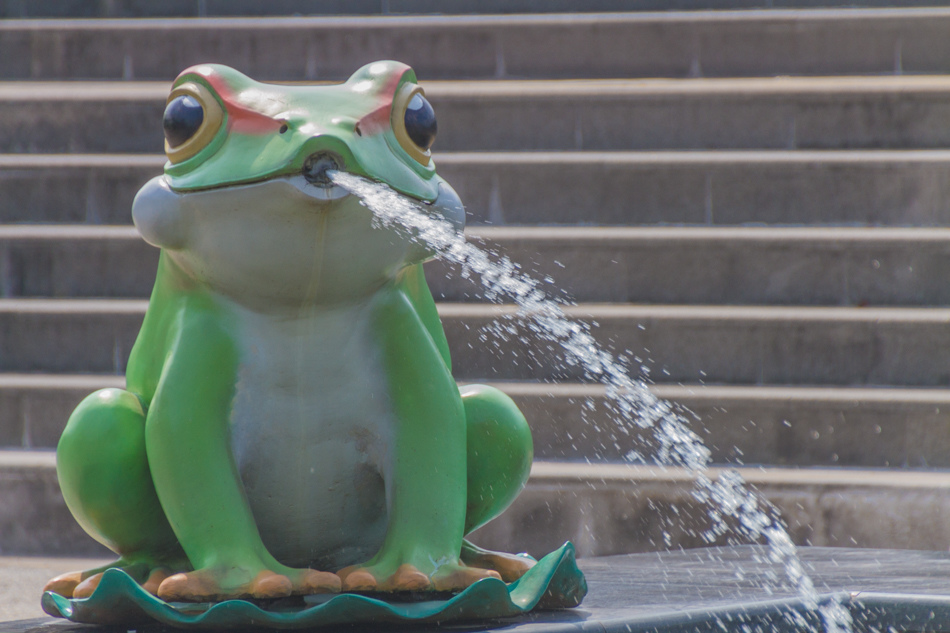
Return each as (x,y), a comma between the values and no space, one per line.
(106,160)
(462,20)
(739,87)
(714,312)
(592,310)
(566,233)
(709,393)
(553,473)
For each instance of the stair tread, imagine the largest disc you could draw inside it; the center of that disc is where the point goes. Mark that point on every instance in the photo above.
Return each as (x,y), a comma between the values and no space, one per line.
(521,88)
(569,233)
(920,314)
(555,472)
(577,19)
(696,391)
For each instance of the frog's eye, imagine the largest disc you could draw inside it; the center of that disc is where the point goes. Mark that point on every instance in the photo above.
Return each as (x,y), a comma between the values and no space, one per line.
(192,118)
(413,121)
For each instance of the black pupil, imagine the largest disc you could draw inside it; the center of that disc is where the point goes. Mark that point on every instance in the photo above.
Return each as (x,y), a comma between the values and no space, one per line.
(420,122)
(183,117)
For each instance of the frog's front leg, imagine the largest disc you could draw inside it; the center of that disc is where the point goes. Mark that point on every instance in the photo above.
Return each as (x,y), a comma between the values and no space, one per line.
(427,481)
(189,453)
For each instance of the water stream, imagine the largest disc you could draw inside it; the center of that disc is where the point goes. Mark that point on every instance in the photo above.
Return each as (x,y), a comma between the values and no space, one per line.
(732,505)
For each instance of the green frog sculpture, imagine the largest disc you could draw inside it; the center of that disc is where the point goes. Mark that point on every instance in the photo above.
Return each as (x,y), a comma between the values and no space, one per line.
(290,425)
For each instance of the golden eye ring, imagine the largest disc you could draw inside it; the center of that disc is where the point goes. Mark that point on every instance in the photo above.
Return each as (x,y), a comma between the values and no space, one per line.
(180,120)
(401,102)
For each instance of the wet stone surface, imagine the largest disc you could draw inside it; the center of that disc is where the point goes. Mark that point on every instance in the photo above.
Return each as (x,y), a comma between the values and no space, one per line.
(694,590)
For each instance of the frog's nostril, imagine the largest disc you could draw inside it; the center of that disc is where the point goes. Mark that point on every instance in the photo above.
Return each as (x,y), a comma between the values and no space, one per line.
(317,165)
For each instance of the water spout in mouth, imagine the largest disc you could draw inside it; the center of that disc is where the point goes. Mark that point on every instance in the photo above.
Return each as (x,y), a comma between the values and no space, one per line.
(631,401)
(318,166)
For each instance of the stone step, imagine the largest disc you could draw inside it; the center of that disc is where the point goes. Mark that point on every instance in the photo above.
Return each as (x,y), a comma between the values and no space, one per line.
(773,113)
(73,188)
(745,265)
(907,187)
(613,508)
(781,426)
(712,344)
(759,345)
(604,508)
(671,44)
(748,265)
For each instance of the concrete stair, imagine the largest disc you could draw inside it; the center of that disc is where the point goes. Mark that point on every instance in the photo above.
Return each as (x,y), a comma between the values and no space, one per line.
(602,508)
(857,267)
(715,344)
(721,43)
(709,188)
(769,249)
(606,114)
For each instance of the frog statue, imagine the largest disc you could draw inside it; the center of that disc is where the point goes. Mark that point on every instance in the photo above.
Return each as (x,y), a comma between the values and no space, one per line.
(290,424)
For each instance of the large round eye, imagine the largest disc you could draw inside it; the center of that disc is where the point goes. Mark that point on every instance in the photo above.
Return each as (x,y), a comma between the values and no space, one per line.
(192,118)
(421,125)
(183,117)
(413,122)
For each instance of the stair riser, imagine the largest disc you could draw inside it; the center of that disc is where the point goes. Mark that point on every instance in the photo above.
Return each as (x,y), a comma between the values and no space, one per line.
(734,349)
(527,190)
(729,45)
(90,195)
(713,191)
(572,121)
(77,267)
(211,8)
(776,432)
(737,349)
(641,268)
(648,516)
(729,270)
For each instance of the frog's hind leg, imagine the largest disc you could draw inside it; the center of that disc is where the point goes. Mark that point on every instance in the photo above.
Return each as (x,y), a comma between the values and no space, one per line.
(104,476)
(500,451)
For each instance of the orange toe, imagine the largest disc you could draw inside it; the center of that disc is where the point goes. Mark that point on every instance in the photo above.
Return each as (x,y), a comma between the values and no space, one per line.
(190,587)
(271,585)
(64,584)
(510,566)
(313,581)
(461,578)
(155,579)
(358,580)
(87,586)
(406,578)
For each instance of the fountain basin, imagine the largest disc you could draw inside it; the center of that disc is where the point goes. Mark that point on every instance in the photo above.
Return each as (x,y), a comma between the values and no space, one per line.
(694,590)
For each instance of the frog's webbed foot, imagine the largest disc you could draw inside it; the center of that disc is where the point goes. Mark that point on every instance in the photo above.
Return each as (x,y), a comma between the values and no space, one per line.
(205,585)
(407,577)
(151,583)
(82,584)
(511,567)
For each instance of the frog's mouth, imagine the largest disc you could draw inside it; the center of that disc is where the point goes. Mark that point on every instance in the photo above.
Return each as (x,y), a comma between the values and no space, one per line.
(316,171)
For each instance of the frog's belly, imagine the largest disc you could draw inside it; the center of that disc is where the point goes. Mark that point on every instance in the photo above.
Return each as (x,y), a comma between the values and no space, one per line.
(311,430)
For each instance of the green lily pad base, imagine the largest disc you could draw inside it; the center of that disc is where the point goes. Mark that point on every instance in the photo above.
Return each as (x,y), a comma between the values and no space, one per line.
(555,582)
